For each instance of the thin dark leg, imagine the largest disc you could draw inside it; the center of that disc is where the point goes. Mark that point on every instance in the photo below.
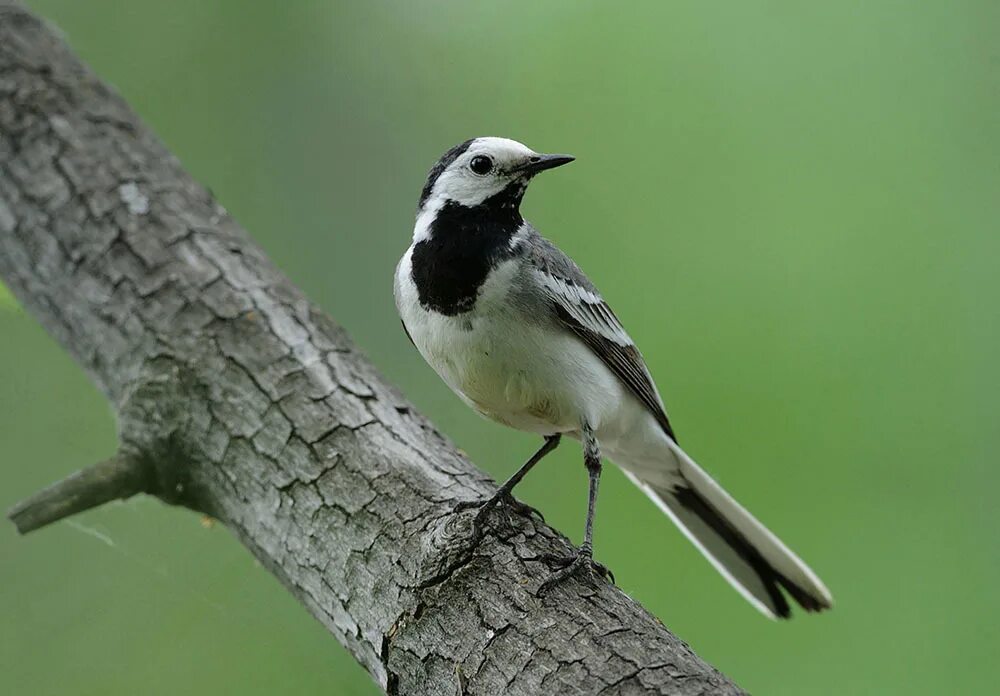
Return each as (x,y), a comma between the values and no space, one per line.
(503,494)
(592,459)
(584,557)
(551,442)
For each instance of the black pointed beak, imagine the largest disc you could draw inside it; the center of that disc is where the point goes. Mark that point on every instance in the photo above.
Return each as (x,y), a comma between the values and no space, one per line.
(539,163)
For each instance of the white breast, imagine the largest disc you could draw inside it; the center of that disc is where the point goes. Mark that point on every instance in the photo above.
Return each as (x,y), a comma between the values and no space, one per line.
(520,370)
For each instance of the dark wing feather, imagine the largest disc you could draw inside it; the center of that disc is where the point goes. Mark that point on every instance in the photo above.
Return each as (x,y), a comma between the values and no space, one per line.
(579,306)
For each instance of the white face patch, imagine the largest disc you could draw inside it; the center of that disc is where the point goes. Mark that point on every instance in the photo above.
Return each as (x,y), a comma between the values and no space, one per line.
(422,228)
(461,184)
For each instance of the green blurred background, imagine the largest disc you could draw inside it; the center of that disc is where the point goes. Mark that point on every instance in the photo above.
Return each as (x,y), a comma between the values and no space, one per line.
(792,206)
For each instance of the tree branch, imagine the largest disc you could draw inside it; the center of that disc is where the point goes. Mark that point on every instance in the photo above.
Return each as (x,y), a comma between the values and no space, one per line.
(246,402)
(113,479)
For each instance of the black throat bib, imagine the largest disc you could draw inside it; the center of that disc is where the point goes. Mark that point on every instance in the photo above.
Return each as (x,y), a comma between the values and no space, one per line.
(465,243)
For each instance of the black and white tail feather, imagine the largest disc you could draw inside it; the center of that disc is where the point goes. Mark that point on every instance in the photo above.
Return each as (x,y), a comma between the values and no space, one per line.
(743,550)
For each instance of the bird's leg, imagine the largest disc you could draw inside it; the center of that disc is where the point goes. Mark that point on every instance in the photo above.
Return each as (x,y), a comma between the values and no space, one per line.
(584,557)
(503,495)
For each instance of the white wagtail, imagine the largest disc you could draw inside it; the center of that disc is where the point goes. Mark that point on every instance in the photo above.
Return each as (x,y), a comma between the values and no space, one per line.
(517,330)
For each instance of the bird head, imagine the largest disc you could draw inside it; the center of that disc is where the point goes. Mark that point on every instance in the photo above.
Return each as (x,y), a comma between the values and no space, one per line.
(484,171)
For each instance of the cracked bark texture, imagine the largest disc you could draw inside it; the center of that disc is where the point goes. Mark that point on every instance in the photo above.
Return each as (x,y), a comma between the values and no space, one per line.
(237,397)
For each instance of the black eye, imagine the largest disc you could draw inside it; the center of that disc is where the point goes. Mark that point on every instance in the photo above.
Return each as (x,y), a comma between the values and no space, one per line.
(481,164)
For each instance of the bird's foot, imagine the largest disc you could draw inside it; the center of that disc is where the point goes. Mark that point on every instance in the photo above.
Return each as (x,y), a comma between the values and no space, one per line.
(509,503)
(504,502)
(581,561)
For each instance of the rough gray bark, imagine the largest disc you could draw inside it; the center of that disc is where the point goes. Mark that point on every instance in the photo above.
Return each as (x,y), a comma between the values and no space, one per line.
(238,398)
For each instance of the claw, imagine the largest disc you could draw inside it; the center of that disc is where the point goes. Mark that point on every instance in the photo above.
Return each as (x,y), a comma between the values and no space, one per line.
(522,509)
(464,505)
(502,500)
(571,565)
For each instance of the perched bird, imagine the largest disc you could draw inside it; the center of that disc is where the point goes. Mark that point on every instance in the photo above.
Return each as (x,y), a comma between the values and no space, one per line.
(517,330)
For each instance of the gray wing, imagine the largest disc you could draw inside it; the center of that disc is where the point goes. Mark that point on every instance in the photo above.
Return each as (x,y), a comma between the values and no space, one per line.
(581,309)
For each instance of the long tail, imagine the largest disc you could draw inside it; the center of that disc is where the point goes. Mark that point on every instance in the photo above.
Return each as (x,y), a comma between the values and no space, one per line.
(747,554)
